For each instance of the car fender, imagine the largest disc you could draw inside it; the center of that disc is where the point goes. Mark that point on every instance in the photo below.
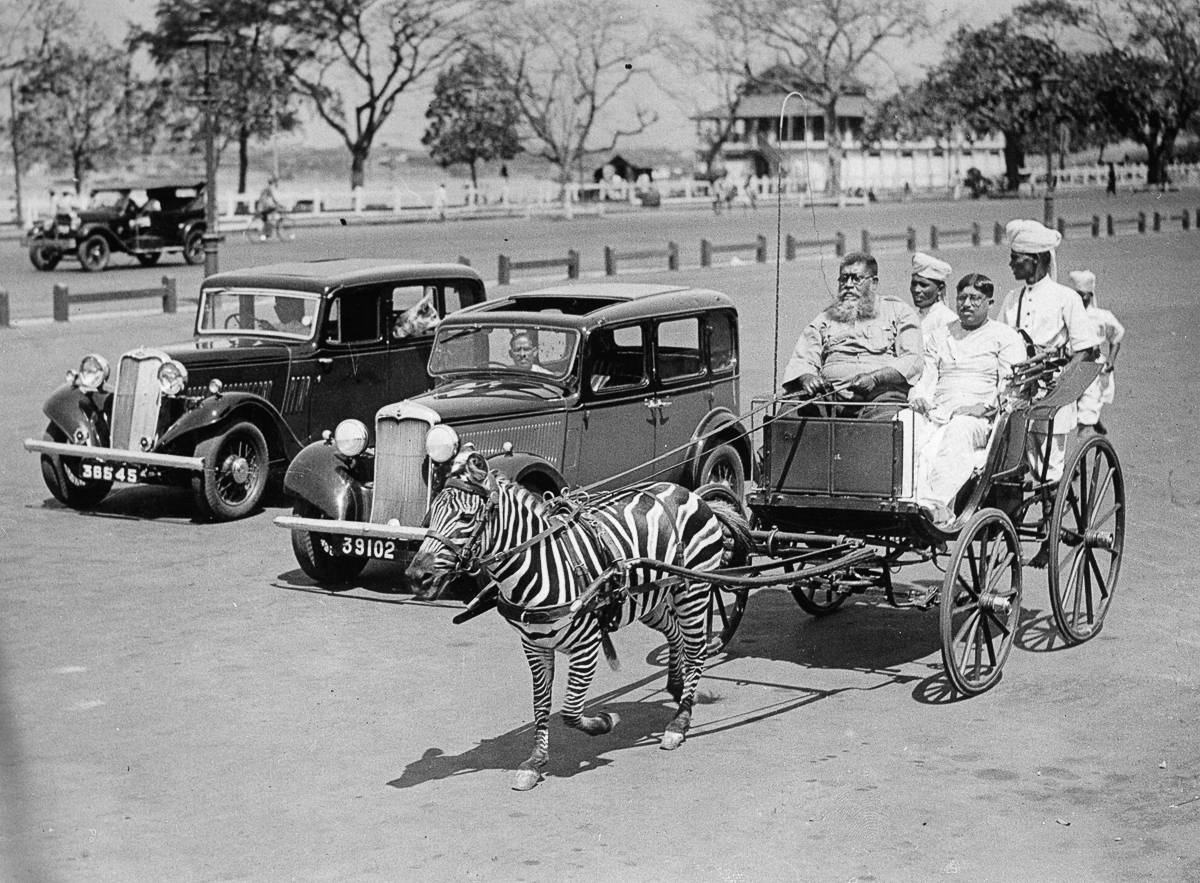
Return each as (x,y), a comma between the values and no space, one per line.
(719,426)
(187,228)
(74,411)
(229,407)
(87,230)
(528,469)
(320,476)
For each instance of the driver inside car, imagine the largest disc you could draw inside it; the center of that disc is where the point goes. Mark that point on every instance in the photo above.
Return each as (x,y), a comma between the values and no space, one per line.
(524,353)
(290,311)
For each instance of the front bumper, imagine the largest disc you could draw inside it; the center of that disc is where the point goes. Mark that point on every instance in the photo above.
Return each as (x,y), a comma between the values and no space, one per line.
(399,532)
(115,455)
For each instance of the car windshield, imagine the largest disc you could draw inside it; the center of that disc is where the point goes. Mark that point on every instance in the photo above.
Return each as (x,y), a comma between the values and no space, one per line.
(109,199)
(258,313)
(547,353)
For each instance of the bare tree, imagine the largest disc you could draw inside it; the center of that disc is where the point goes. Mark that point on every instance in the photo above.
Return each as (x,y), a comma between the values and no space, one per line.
(568,61)
(353,58)
(836,43)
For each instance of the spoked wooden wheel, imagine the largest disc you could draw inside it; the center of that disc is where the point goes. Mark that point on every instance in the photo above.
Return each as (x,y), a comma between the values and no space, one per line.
(1087,537)
(981,601)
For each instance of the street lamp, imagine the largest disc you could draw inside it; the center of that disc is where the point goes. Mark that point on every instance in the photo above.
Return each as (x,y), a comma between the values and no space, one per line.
(209,42)
(1049,84)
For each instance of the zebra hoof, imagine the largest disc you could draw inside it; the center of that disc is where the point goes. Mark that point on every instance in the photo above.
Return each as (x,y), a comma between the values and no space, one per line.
(671,740)
(526,780)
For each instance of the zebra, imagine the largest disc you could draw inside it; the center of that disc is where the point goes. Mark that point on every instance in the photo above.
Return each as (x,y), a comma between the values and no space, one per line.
(545,565)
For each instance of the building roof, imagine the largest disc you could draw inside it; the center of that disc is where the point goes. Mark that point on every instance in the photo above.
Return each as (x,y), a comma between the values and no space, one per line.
(754,106)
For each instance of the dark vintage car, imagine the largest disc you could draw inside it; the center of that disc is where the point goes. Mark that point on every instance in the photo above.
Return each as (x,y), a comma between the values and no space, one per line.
(279,354)
(144,220)
(588,385)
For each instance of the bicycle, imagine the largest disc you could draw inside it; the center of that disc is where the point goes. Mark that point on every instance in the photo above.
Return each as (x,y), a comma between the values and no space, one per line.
(277,225)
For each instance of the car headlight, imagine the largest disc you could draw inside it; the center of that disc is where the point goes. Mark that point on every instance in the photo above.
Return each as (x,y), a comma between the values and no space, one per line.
(350,437)
(172,378)
(93,371)
(76,221)
(441,443)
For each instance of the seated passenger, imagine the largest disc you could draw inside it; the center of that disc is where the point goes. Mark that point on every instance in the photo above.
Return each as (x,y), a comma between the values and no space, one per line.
(866,347)
(524,353)
(967,365)
(421,318)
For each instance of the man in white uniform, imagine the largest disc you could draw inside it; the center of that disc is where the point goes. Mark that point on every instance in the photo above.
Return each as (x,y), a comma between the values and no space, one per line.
(1100,393)
(1052,315)
(928,290)
(967,365)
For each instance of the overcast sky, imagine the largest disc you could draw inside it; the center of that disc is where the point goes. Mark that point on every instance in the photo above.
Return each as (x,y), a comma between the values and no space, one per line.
(673,129)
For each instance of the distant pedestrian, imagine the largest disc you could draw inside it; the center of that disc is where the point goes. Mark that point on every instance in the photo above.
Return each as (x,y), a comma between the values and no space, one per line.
(504,184)
(1111,190)
(1100,393)
(438,210)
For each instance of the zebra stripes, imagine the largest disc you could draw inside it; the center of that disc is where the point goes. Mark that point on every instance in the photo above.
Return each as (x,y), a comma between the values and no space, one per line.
(543,563)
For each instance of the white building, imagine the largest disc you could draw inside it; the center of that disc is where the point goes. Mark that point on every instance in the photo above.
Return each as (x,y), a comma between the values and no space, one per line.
(755,148)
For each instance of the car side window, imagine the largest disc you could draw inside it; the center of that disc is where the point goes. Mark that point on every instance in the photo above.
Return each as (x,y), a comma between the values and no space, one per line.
(415,310)
(677,349)
(617,359)
(722,342)
(353,318)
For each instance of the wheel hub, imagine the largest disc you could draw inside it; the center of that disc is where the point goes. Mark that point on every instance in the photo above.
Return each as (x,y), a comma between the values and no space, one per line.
(1001,605)
(1099,539)
(237,469)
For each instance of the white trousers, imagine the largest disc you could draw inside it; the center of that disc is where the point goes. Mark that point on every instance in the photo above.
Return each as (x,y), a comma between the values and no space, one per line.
(1096,396)
(946,456)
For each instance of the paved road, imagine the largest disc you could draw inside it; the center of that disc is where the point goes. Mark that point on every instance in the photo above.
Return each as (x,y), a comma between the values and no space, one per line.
(178,702)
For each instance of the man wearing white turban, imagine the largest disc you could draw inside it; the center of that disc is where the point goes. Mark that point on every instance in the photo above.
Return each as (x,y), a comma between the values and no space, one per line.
(1050,315)
(928,290)
(1100,393)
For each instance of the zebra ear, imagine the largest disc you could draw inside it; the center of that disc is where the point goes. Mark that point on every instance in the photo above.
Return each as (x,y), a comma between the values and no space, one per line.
(476,468)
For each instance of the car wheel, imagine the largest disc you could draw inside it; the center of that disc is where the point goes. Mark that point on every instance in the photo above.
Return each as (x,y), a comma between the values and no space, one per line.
(722,465)
(43,257)
(149,259)
(316,555)
(193,248)
(235,472)
(63,477)
(93,253)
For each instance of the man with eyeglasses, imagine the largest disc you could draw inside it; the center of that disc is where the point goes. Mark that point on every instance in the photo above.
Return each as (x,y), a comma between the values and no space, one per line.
(1051,316)
(862,346)
(967,365)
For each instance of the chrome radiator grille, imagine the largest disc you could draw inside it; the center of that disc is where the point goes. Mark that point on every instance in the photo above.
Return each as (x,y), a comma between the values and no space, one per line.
(136,401)
(401,485)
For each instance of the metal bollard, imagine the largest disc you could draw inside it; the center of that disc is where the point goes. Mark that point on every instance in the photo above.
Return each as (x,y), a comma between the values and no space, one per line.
(976,234)
(572,264)
(1141,222)
(997,234)
(1095,226)
(760,249)
(1186,220)
(610,261)
(672,256)
(5,321)
(790,248)
(705,253)
(839,239)
(933,237)
(1157,222)
(503,270)
(62,303)
(170,300)
(911,239)
(866,242)
(1110,226)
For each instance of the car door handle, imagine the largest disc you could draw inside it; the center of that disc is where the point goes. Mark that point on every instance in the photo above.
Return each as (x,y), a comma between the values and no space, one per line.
(325,360)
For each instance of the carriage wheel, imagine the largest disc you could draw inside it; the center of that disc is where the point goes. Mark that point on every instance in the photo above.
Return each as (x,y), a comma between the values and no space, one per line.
(981,601)
(1087,537)
(725,608)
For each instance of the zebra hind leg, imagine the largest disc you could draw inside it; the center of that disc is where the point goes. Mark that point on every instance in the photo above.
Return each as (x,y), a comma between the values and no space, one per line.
(691,618)
(662,619)
(541,665)
(583,667)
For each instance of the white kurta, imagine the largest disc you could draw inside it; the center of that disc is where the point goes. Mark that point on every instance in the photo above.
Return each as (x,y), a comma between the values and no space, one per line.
(1051,314)
(937,316)
(962,368)
(1101,391)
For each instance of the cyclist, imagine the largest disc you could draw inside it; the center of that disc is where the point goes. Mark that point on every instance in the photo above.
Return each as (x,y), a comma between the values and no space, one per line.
(266,206)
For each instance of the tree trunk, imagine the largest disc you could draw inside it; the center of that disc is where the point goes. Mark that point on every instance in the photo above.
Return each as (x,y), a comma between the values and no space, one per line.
(358,164)
(833,149)
(1159,151)
(243,156)
(78,166)
(1014,158)
(14,130)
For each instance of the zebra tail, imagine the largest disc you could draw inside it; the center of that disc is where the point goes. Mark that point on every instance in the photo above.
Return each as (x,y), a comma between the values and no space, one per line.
(610,652)
(736,529)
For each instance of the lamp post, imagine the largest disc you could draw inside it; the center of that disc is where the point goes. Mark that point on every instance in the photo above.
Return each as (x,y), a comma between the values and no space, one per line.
(1049,84)
(209,41)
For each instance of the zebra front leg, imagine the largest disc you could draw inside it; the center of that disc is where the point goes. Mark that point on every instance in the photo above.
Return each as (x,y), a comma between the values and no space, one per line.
(692,622)
(583,667)
(541,665)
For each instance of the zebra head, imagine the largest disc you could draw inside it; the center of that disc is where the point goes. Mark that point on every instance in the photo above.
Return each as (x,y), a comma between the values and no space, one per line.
(458,517)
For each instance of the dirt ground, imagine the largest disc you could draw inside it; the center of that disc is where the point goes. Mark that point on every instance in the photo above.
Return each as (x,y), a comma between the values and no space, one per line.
(178,702)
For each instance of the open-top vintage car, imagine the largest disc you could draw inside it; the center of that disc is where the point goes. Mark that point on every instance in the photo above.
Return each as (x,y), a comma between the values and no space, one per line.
(279,354)
(144,220)
(599,385)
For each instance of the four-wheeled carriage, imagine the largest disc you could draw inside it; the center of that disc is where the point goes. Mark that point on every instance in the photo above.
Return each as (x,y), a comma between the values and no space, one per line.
(855,477)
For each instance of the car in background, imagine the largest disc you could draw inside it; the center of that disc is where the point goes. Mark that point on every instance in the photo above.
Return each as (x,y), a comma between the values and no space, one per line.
(145,220)
(279,354)
(598,385)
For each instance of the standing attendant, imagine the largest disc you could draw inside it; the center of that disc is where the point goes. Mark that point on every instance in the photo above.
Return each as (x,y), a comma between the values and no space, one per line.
(928,290)
(1100,393)
(1051,316)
